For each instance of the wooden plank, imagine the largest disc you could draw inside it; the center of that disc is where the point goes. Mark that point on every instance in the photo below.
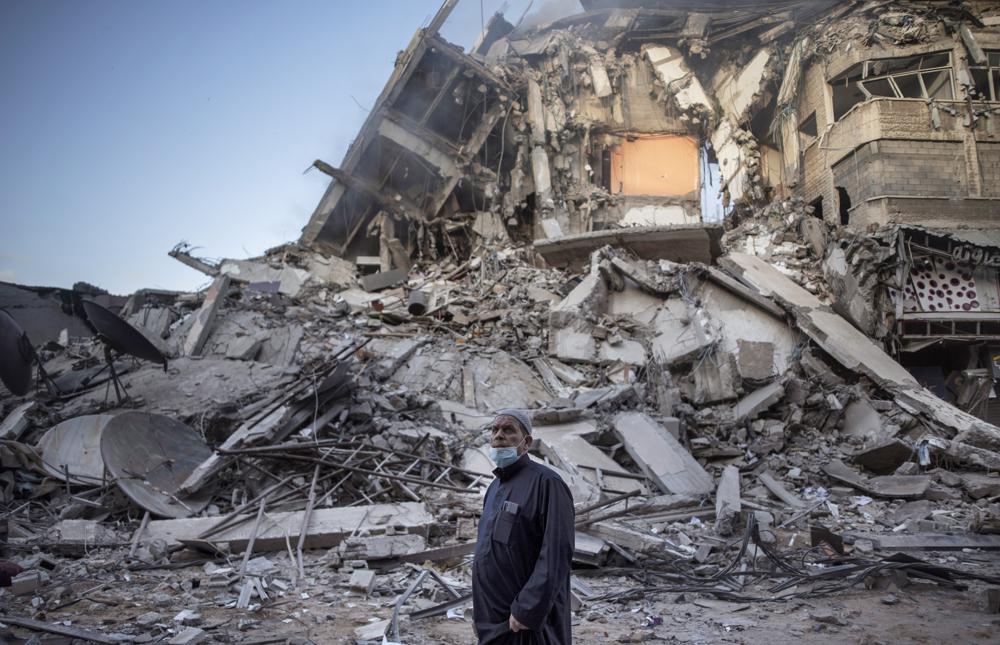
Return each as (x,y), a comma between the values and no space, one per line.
(661,456)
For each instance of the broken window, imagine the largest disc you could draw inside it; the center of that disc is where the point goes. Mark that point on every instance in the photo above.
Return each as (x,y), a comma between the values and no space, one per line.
(844,200)
(912,77)
(986,79)
(808,130)
(655,165)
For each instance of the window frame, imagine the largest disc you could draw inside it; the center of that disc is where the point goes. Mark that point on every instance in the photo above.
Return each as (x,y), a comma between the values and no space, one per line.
(992,69)
(868,76)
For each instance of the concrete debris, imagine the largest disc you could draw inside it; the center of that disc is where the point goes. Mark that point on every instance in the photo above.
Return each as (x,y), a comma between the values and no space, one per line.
(17,421)
(661,456)
(204,318)
(716,252)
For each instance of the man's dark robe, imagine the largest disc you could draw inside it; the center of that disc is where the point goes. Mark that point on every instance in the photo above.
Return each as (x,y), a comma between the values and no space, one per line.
(523,557)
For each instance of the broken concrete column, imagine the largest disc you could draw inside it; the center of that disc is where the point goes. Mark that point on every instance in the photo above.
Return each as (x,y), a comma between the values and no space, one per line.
(205,317)
(727,501)
(543,178)
(599,75)
(536,113)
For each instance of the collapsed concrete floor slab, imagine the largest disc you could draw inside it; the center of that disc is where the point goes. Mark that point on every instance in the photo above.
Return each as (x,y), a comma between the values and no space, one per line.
(773,425)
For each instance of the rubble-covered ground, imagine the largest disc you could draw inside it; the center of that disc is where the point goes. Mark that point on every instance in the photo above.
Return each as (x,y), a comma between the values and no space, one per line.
(779,495)
(297,453)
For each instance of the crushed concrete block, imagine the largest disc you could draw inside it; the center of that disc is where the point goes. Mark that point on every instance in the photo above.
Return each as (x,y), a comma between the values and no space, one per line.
(244,348)
(755,359)
(912,511)
(681,335)
(587,300)
(373,631)
(153,322)
(289,280)
(979,486)
(566,446)
(382,547)
(569,375)
(327,527)
(362,581)
(391,354)
(383,280)
(17,422)
(861,420)
(148,618)
(628,351)
(573,344)
(885,457)
(750,406)
(489,226)
(715,379)
(551,228)
(189,636)
(281,345)
(27,582)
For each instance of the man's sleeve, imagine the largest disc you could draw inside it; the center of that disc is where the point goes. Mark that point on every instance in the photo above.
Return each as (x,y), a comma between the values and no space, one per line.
(535,600)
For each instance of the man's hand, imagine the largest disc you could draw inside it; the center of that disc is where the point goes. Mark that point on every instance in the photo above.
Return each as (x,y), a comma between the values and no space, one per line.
(515,624)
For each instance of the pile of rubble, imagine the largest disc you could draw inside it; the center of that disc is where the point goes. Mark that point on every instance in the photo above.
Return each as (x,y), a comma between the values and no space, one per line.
(331,437)
(302,455)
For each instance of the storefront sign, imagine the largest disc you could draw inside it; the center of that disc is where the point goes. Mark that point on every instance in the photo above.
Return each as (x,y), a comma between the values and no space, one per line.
(976,255)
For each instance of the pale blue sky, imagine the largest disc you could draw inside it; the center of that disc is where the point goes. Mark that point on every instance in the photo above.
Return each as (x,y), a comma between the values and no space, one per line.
(128,126)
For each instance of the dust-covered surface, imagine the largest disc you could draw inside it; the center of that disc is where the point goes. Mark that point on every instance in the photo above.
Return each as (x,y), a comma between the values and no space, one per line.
(777,425)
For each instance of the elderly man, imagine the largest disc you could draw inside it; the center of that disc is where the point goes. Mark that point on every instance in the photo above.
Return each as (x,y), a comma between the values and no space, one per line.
(520,576)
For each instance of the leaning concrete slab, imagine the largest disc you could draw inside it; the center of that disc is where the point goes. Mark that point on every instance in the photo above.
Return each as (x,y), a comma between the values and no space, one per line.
(680,243)
(661,456)
(205,317)
(750,406)
(855,351)
(566,446)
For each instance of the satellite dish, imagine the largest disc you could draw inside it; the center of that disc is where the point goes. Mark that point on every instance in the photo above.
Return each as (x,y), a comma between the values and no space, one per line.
(150,456)
(16,355)
(119,336)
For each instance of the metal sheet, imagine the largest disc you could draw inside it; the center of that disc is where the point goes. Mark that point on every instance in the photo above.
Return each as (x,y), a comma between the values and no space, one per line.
(75,444)
(150,456)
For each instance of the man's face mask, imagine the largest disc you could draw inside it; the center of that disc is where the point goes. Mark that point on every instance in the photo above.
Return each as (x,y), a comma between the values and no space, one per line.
(505,456)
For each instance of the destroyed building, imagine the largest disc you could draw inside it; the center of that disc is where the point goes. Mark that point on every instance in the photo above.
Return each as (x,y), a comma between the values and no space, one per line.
(793,405)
